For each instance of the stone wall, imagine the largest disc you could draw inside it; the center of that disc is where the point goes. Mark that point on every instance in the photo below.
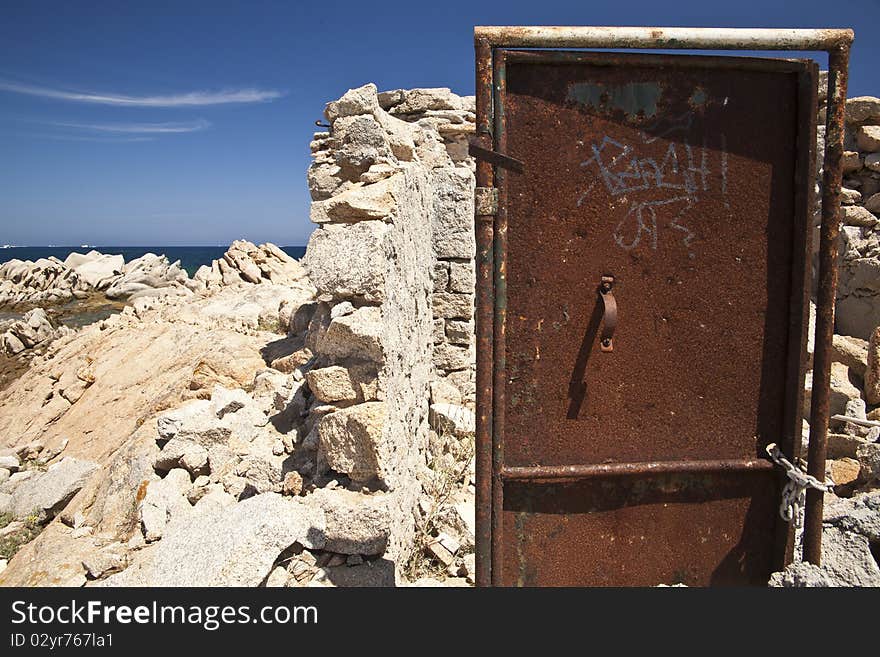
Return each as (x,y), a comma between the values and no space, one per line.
(858,292)
(392,260)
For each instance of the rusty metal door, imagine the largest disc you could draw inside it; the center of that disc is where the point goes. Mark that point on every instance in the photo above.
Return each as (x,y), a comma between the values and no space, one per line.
(649,302)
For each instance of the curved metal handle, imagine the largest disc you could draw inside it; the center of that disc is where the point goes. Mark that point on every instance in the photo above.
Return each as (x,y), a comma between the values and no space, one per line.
(609,317)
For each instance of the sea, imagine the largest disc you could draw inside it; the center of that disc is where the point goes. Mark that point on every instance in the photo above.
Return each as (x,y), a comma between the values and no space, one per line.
(191,257)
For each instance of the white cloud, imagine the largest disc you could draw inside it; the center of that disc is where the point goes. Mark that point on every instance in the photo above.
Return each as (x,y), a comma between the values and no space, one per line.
(111,140)
(191,99)
(140,128)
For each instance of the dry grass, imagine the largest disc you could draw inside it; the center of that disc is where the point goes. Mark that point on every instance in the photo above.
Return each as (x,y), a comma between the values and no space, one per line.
(446,483)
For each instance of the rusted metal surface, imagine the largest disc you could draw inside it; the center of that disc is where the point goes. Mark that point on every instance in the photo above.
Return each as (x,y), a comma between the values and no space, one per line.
(499,328)
(709,38)
(492,157)
(722,484)
(630,531)
(484,304)
(632,469)
(671,175)
(838,62)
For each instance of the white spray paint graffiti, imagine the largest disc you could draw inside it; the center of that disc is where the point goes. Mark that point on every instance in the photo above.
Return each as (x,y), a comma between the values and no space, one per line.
(683,172)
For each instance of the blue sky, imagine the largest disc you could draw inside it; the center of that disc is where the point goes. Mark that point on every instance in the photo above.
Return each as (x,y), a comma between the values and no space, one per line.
(133,123)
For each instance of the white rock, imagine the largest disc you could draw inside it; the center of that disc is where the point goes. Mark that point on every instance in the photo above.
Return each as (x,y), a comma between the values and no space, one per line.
(50,491)
(352,441)
(451,419)
(237,545)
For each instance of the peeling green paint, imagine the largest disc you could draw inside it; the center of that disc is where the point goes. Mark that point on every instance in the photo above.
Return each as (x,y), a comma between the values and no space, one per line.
(632,99)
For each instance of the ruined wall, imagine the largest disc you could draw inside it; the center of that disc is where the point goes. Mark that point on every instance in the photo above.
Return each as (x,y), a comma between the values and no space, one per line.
(392,261)
(858,291)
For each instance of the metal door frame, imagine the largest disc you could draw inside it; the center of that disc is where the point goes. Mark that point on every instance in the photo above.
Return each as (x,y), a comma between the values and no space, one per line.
(490,225)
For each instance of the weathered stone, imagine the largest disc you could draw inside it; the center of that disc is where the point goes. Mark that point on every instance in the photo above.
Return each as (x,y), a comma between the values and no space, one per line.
(277,578)
(439,552)
(460,331)
(358,203)
(850,196)
(440,276)
(360,142)
(109,560)
(162,501)
(852,352)
(872,162)
(358,335)
(225,401)
(844,473)
(859,514)
(868,138)
(869,458)
(452,420)
(843,445)
(292,484)
(461,277)
(332,384)
(872,369)
(453,213)
(49,492)
(443,392)
(238,544)
(352,441)
(362,100)
(260,472)
(862,108)
(422,100)
(855,215)
(182,453)
(10,462)
(851,161)
(451,357)
(350,260)
(842,390)
(453,306)
(873,203)
(355,523)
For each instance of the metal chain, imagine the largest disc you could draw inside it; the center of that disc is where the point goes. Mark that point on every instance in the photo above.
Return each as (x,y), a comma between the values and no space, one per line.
(795,489)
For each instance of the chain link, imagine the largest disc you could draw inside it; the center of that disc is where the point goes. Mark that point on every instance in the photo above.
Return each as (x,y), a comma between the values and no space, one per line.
(795,489)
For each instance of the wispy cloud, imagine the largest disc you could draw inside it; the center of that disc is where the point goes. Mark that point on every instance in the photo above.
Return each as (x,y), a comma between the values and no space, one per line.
(139,128)
(108,140)
(190,99)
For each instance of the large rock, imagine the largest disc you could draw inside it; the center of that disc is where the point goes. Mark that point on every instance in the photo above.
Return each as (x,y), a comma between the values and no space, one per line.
(33,329)
(43,281)
(96,270)
(355,523)
(868,138)
(50,491)
(352,441)
(862,108)
(357,335)
(358,203)
(148,275)
(350,260)
(236,545)
(842,390)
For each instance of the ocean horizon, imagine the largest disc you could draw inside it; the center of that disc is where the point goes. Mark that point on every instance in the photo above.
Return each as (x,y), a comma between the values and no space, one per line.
(190,257)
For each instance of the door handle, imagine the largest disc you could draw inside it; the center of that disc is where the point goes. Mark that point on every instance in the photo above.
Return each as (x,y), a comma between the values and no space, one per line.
(609,316)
